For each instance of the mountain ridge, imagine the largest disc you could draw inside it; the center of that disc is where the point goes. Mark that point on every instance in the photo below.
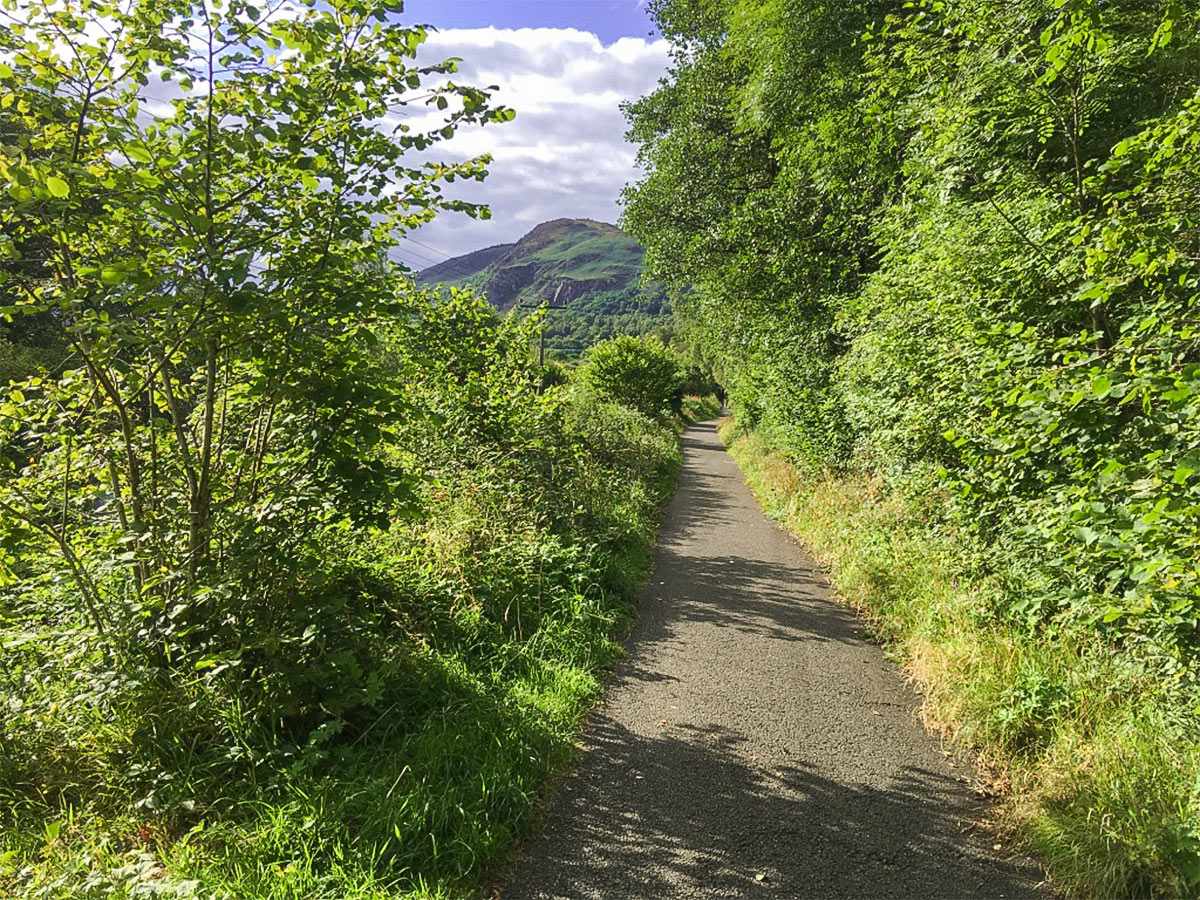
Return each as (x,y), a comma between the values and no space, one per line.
(558,260)
(591,268)
(459,267)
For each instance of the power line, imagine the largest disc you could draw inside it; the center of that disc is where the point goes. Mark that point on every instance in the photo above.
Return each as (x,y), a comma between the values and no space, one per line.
(413,240)
(415,254)
(454,265)
(453,269)
(457,265)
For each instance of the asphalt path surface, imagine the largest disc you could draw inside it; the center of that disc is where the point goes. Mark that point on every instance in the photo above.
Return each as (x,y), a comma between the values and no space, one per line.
(753,743)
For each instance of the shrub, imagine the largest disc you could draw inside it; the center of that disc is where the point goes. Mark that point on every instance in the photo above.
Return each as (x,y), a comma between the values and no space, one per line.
(393,713)
(639,372)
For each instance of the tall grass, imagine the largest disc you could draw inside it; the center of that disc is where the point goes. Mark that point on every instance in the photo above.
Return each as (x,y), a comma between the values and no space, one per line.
(1095,759)
(488,621)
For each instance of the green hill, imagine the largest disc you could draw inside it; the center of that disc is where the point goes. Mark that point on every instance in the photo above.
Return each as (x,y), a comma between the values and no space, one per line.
(592,268)
(461,269)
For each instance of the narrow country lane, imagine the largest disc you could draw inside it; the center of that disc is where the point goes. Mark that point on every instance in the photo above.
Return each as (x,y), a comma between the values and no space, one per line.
(753,743)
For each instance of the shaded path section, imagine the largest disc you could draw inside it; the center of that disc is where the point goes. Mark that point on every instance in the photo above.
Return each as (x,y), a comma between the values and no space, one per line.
(753,743)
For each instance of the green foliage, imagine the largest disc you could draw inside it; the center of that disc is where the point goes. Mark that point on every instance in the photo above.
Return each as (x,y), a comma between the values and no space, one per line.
(307,575)
(217,288)
(759,195)
(591,271)
(19,361)
(954,246)
(596,317)
(442,669)
(641,373)
(700,407)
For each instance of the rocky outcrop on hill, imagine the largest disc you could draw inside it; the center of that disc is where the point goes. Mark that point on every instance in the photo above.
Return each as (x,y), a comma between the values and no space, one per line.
(560,261)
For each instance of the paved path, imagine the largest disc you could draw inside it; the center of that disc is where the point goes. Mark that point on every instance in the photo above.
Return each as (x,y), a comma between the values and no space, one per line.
(753,744)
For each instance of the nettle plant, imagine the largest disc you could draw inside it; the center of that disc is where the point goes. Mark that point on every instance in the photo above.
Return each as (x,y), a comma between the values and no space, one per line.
(208,189)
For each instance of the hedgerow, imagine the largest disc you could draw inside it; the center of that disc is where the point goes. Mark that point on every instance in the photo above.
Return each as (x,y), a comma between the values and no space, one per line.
(952,249)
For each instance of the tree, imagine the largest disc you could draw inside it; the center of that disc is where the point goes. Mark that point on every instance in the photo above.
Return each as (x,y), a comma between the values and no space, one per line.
(213,187)
(639,372)
(762,177)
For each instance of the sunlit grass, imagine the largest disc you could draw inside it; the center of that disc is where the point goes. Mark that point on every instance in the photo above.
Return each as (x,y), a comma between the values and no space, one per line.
(1095,758)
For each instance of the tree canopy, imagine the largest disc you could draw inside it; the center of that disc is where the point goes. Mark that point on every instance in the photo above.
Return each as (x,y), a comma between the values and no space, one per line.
(953,242)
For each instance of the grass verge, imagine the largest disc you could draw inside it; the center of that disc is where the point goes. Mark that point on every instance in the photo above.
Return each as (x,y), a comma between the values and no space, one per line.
(1094,758)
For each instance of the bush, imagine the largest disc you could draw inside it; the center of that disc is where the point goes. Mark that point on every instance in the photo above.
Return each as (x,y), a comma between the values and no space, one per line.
(403,699)
(639,372)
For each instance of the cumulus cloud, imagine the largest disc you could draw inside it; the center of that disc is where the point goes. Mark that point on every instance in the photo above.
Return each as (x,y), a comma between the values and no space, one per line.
(564,154)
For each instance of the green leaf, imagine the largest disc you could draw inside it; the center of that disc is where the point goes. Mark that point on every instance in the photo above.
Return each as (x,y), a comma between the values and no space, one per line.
(138,153)
(57,187)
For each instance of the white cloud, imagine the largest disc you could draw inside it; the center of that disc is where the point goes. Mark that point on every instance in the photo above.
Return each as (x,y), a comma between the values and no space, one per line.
(565,154)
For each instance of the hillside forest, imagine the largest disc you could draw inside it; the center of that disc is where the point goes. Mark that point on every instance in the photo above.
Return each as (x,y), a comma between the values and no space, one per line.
(587,274)
(946,261)
(308,573)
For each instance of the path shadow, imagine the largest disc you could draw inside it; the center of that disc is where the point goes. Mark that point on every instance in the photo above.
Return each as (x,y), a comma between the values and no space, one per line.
(786,600)
(702,496)
(684,814)
(782,602)
(680,809)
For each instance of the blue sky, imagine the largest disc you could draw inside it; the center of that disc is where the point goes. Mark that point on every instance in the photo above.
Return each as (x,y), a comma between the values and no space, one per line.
(607,19)
(565,67)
